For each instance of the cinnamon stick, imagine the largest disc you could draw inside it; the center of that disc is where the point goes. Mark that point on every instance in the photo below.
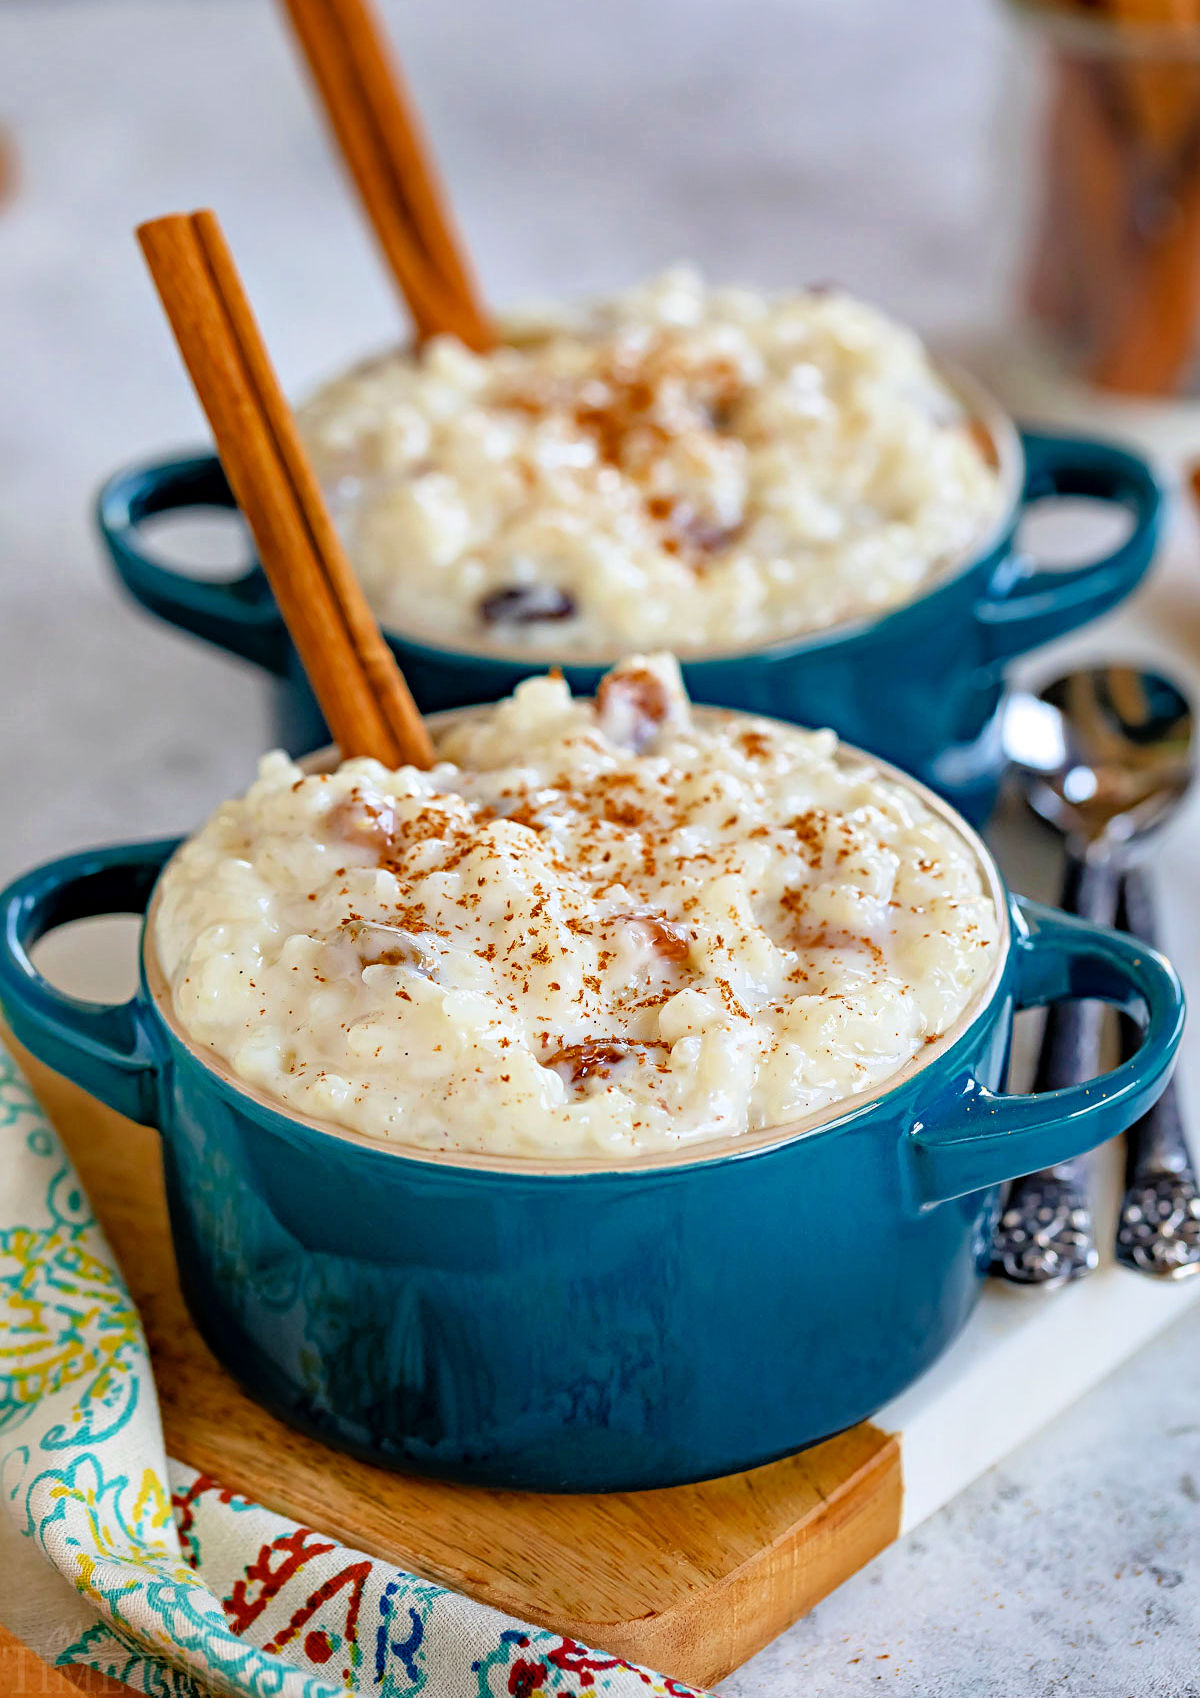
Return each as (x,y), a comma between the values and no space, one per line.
(1083,229)
(353,673)
(1117,265)
(1154,333)
(1100,221)
(374,121)
(1154,49)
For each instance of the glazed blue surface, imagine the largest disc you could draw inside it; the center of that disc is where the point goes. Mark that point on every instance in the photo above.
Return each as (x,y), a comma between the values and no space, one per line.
(920,686)
(599,1330)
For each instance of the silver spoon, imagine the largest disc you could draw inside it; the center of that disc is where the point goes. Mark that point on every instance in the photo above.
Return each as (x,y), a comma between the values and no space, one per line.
(1158,1228)
(1105,756)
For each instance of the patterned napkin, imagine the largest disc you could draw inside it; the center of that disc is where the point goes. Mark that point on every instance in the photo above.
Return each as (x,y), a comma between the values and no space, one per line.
(159,1577)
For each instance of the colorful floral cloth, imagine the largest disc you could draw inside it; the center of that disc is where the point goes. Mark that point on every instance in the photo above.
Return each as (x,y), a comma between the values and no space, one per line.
(175,1585)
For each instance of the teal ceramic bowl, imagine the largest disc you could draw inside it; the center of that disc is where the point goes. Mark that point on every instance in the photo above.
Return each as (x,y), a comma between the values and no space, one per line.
(571,1326)
(920,686)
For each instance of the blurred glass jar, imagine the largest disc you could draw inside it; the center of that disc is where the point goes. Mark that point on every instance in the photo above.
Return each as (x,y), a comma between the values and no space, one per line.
(1108,99)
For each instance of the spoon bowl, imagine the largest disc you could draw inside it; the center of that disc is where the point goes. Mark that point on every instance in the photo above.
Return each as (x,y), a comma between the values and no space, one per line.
(1105,754)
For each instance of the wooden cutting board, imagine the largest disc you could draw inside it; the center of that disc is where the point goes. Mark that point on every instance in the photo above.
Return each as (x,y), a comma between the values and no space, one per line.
(690,1581)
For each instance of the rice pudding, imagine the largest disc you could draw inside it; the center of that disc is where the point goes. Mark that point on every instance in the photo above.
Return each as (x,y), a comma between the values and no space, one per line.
(704,469)
(592,929)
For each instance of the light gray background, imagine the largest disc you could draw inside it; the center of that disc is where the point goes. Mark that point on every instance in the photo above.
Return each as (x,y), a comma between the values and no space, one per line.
(770,139)
(773,140)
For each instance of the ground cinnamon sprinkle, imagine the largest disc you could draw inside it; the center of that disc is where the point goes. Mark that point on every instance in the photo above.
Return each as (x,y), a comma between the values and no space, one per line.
(620,408)
(643,919)
(673,443)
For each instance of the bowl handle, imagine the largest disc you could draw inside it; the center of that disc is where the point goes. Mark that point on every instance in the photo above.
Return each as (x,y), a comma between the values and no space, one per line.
(988,1137)
(105,1047)
(237,614)
(1024,606)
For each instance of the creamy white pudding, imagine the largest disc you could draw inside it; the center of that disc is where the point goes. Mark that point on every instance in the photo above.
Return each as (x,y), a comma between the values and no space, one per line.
(591,929)
(680,466)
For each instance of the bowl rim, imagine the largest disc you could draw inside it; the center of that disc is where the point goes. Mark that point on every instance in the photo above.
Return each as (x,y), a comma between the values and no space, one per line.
(981,407)
(694,1152)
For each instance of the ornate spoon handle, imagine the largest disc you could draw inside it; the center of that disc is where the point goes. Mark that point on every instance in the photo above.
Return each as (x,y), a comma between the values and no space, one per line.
(1045,1235)
(1158,1229)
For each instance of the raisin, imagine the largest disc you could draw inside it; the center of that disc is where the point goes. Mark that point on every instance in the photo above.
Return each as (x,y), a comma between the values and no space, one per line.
(664,936)
(379,945)
(982,439)
(595,1058)
(359,820)
(706,536)
(688,529)
(526,604)
(631,706)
